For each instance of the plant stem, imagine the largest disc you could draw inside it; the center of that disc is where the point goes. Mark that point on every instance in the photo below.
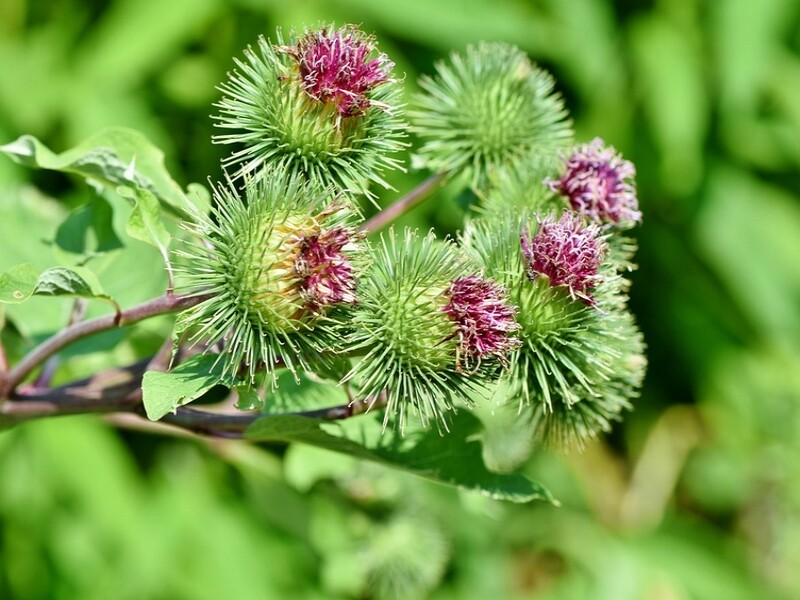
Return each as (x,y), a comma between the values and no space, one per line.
(233,425)
(404,204)
(158,306)
(119,391)
(3,361)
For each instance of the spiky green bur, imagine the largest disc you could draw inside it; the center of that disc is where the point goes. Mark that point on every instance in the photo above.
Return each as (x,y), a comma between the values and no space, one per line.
(578,365)
(408,324)
(521,187)
(488,110)
(322,104)
(279,265)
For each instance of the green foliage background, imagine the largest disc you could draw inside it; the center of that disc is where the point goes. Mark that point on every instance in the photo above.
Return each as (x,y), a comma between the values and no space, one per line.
(696,495)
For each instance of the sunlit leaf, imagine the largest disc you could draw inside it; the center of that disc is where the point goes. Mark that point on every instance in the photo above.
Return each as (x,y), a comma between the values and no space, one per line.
(145,222)
(28,219)
(247,398)
(453,459)
(76,282)
(162,392)
(88,231)
(113,157)
(17,284)
(306,392)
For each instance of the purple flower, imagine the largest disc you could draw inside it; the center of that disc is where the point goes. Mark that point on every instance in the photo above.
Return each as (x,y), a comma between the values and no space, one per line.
(599,184)
(568,252)
(337,68)
(326,275)
(485,320)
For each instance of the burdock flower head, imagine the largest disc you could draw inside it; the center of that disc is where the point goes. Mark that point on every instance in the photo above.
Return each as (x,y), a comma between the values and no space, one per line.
(578,364)
(276,266)
(431,330)
(568,252)
(322,105)
(324,268)
(599,184)
(340,67)
(488,110)
(485,319)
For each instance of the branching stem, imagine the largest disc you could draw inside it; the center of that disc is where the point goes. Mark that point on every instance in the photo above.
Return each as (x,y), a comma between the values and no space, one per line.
(86,397)
(119,391)
(162,305)
(3,360)
(404,204)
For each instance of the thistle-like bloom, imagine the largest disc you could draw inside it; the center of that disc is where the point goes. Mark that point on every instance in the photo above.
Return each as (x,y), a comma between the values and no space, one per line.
(324,268)
(568,252)
(417,316)
(338,68)
(488,110)
(599,184)
(273,265)
(576,366)
(486,321)
(322,105)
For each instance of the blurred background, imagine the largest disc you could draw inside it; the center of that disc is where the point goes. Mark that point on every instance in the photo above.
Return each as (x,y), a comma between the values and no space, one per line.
(695,496)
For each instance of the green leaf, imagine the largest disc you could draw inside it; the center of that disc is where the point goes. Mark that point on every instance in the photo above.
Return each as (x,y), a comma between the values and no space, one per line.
(145,222)
(113,157)
(24,209)
(21,282)
(77,282)
(247,398)
(17,284)
(164,392)
(335,369)
(303,392)
(88,231)
(452,459)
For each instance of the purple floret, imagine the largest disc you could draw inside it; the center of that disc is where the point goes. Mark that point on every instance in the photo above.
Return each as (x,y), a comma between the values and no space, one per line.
(568,252)
(598,183)
(486,321)
(338,68)
(326,275)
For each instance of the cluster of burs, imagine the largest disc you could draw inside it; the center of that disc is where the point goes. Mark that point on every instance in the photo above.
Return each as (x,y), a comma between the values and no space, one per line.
(527,305)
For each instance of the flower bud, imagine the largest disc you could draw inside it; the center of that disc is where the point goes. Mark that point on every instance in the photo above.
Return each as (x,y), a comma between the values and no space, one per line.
(322,106)
(578,364)
(485,319)
(337,68)
(598,183)
(488,110)
(274,264)
(567,252)
(324,269)
(431,331)
(297,268)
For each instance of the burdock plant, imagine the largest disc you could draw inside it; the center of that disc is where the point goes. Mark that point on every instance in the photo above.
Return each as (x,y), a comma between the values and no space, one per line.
(282,290)
(276,266)
(432,329)
(323,104)
(488,110)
